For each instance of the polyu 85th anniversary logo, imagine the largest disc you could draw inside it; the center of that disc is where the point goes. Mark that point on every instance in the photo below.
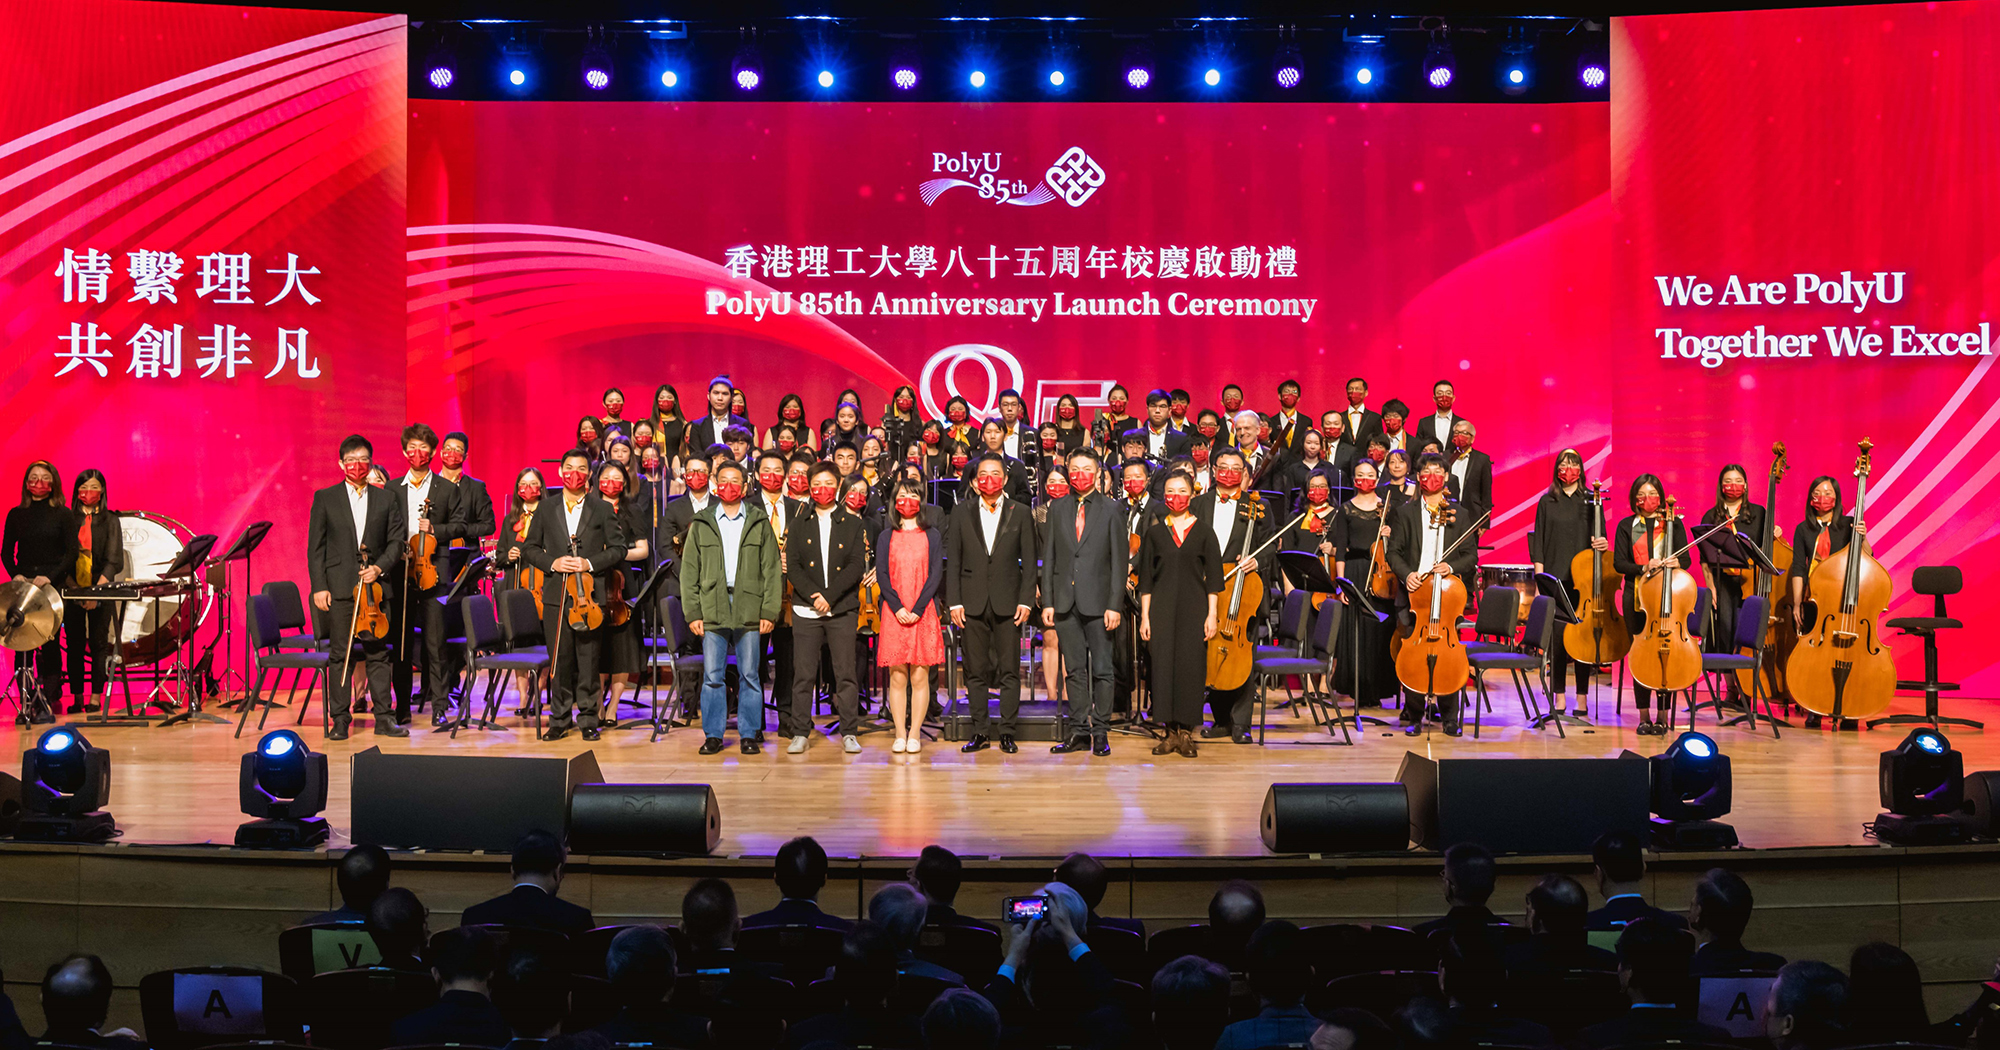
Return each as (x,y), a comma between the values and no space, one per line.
(1072,179)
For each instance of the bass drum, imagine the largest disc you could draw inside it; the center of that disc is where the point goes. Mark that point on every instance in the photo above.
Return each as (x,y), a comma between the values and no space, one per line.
(153,628)
(1520,577)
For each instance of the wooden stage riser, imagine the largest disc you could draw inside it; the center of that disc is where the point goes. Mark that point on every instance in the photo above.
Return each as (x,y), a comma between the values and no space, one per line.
(147,909)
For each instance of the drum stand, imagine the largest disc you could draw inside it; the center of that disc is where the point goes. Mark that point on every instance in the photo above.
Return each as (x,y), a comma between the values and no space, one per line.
(29,699)
(189,674)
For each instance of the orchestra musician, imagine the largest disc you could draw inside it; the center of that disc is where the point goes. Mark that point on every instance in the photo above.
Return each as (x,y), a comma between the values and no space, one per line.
(1825,530)
(347,517)
(1013,423)
(1164,441)
(1439,426)
(1563,530)
(680,511)
(435,507)
(712,428)
(1416,546)
(1259,459)
(528,490)
(1642,541)
(669,426)
(1394,415)
(1360,422)
(1364,639)
(993,438)
(1222,511)
(1297,471)
(623,655)
(1729,565)
(99,559)
(589,528)
(739,404)
(990,590)
(1232,403)
(473,494)
(1180,577)
(614,410)
(1177,408)
(589,437)
(1084,566)
(791,413)
(38,544)
(825,561)
(780,509)
(1114,420)
(1070,433)
(1471,470)
(1289,426)
(900,425)
(958,421)
(1141,511)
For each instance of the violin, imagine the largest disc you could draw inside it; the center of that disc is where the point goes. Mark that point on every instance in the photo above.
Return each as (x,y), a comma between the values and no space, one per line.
(1599,636)
(1230,651)
(528,577)
(583,613)
(1841,668)
(1432,659)
(423,553)
(1132,543)
(1381,578)
(1781,634)
(870,620)
(370,618)
(1665,656)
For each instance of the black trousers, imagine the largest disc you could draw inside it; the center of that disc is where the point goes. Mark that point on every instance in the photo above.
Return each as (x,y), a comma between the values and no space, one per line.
(575,690)
(1231,707)
(778,649)
(87,637)
(371,658)
(47,663)
(1126,660)
(1086,655)
(992,642)
(834,639)
(1559,658)
(1450,707)
(418,609)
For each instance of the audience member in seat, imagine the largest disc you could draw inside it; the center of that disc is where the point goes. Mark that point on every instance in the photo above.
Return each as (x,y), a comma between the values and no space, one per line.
(1349,1028)
(76,998)
(1621,881)
(938,874)
(960,1020)
(533,996)
(1885,997)
(801,873)
(400,925)
(1470,973)
(362,876)
(640,965)
(1234,914)
(1052,984)
(711,922)
(1281,975)
(1086,875)
(537,870)
(1190,999)
(865,976)
(1556,941)
(1718,916)
(1653,970)
(13,1034)
(1807,1008)
(463,962)
(1468,883)
(899,909)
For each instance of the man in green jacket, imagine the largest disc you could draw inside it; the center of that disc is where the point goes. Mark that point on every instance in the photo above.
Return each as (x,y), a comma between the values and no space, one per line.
(731,592)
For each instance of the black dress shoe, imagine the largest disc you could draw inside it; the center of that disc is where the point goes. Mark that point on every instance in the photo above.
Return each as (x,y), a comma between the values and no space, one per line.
(337,732)
(1454,729)
(711,746)
(386,728)
(593,733)
(1215,732)
(1240,738)
(1812,721)
(1007,745)
(1075,743)
(1101,746)
(749,747)
(556,733)
(977,743)
(1412,728)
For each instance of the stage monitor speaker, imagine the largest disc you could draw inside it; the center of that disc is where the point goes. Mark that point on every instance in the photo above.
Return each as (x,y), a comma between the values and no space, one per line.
(463,802)
(10,803)
(1336,818)
(644,818)
(1524,805)
(1982,803)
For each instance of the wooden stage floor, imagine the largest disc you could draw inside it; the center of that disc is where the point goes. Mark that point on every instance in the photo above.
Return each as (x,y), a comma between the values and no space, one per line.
(177,785)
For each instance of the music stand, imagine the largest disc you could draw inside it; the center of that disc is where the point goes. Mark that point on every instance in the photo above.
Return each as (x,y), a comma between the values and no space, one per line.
(187,564)
(1565,613)
(246,544)
(1309,574)
(639,603)
(1359,604)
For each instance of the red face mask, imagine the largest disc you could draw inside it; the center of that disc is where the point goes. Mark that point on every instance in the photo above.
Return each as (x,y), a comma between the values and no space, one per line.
(1229,477)
(529,492)
(89,497)
(1263,431)
(1568,474)
(793,414)
(614,408)
(824,495)
(770,480)
(729,491)
(1461,441)
(1393,424)
(1232,402)
(1444,401)
(1065,411)
(1083,480)
(643,440)
(958,462)
(1178,410)
(989,484)
(665,404)
(355,472)
(611,485)
(586,436)
(905,403)
(1048,443)
(453,458)
(1822,504)
(909,506)
(574,480)
(1317,496)
(697,480)
(956,415)
(1289,400)
(1176,501)
(1355,398)
(1135,487)
(1732,490)
(1200,457)
(1206,430)
(1058,489)
(797,484)
(420,459)
(1377,455)
(857,501)
(1430,482)
(1364,484)
(787,444)
(1118,405)
(932,437)
(1648,504)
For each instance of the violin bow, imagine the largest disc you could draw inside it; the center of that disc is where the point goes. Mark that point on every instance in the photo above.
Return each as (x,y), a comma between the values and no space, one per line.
(1455,544)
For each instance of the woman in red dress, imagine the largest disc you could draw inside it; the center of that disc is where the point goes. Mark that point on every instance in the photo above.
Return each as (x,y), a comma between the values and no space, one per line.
(909,562)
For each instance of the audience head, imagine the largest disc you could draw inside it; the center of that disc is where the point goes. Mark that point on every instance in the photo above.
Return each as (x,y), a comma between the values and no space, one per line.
(938,873)
(1468,874)
(1278,964)
(538,858)
(1885,993)
(533,996)
(1066,898)
(866,970)
(399,924)
(1086,875)
(900,911)
(1653,960)
(709,916)
(1721,908)
(1352,1028)
(960,1020)
(640,963)
(1621,861)
(76,994)
(362,876)
(465,958)
(1190,998)
(1236,911)
(1470,971)
(801,868)
(1557,904)
(1807,1008)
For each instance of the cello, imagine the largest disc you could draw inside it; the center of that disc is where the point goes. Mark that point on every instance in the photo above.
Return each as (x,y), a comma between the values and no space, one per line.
(1665,657)
(1782,634)
(1431,661)
(1841,668)
(1230,651)
(1599,635)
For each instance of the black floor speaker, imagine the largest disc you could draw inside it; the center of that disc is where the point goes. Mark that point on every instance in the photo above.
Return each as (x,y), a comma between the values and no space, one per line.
(462,802)
(1524,805)
(1336,818)
(1982,803)
(644,818)
(10,803)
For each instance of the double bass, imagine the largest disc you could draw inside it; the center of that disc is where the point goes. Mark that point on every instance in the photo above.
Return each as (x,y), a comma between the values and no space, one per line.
(1665,656)
(1841,668)
(1432,660)
(1230,651)
(1781,634)
(1599,636)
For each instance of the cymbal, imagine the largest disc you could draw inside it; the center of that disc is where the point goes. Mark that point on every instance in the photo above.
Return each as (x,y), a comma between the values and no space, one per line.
(32,615)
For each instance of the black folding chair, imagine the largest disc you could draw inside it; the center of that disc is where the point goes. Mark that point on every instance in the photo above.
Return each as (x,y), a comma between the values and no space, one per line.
(486,650)
(1751,628)
(262,615)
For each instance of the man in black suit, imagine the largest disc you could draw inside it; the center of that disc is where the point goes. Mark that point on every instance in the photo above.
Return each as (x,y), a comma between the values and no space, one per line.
(362,875)
(1468,878)
(826,555)
(1472,977)
(1289,425)
(1556,942)
(1807,1008)
(710,919)
(989,586)
(345,518)
(400,926)
(641,967)
(800,871)
(1653,967)
(1361,423)
(1164,441)
(463,962)
(865,977)
(76,998)
(1084,565)
(1087,876)
(1417,552)
(680,511)
(587,527)
(1223,509)
(1437,426)
(937,874)
(1719,915)
(713,428)
(1260,459)
(1471,468)
(429,506)
(993,438)
(479,524)
(537,870)
(1621,880)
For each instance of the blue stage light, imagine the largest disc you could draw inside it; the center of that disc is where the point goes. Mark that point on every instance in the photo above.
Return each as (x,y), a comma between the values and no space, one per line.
(669,78)
(597,66)
(1364,76)
(517,77)
(56,741)
(1439,64)
(748,79)
(977,79)
(825,78)
(1288,68)
(904,78)
(440,77)
(279,744)
(1931,742)
(1056,78)
(1138,77)
(1213,77)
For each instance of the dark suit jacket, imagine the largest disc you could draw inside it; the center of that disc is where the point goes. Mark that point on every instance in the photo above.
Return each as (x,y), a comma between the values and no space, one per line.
(1716,960)
(795,912)
(447,508)
(529,906)
(805,562)
(1356,437)
(1017,481)
(1203,509)
(1086,575)
(1462,917)
(701,432)
(479,514)
(675,518)
(996,582)
(1177,443)
(1544,954)
(946,915)
(1646,1025)
(1622,910)
(331,559)
(1477,492)
(657,1024)
(599,539)
(467,1018)
(1406,541)
(1424,428)
(1290,436)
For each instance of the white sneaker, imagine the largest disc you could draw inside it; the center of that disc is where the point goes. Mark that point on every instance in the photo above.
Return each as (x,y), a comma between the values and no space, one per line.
(851,744)
(901,745)
(797,746)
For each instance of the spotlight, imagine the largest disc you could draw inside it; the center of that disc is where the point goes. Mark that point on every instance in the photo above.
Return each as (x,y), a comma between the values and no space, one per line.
(517,77)
(669,78)
(1138,66)
(904,77)
(1691,787)
(977,79)
(1288,68)
(1592,71)
(1062,57)
(905,67)
(1517,67)
(283,784)
(825,78)
(1439,64)
(747,69)
(1366,60)
(441,67)
(1056,78)
(597,66)
(517,60)
(65,783)
(1138,77)
(1212,77)
(1923,789)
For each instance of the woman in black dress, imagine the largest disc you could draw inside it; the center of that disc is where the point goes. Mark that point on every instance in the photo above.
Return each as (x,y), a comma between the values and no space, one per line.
(1563,531)
(791,413)
(100,558)
(1824,532)
(39,545)
(669,426)
(1643,540)
(1180,574)
(1364,640)
(623,659)
(1114,420)
(1071,434)
(590,438)
(1728,565)
(900,424)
